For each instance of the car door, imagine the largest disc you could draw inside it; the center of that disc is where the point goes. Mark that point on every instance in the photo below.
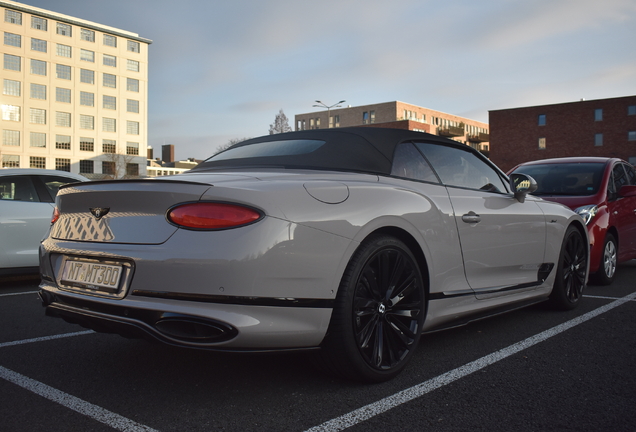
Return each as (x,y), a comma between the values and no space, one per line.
(24,220)
(623,209)
(502,240)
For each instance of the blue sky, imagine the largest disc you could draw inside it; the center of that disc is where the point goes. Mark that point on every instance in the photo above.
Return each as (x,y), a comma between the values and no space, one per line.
(222,70)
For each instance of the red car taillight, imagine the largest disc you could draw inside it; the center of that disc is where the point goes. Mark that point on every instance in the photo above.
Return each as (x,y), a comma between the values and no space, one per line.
(209,215)
(56,215)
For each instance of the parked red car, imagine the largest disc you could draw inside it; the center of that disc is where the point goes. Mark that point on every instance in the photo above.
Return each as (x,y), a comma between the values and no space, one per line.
(603,192)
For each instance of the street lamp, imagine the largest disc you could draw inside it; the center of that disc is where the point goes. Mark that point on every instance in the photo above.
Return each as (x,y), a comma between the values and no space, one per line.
(323,105)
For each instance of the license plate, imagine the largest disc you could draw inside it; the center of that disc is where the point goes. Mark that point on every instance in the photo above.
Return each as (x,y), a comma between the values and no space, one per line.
(92,275)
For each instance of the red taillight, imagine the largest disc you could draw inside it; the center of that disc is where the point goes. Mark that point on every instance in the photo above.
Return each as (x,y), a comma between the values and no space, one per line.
(208,215)
(56,215)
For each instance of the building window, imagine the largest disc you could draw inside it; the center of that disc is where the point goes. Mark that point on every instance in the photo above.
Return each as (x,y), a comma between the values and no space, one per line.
(63,72)
(132,148)
(109,125)
(12,62)
(372,116)
(133,46)
(132,65)
(38,45)
(87,35)
(87,122)
(62,119)
(63,142)
(541,120)
(63,95)
(131,106)
(37,162)
(109,146)
(12,17)
(37,116)
(12,39)
(39,23)
(87,76)
(10,161)
(87,99)
(598,140)
(631,136)
(631,110)
(86,166)
(87,55)
(110,81)
(38,67)
(132,84)
(109,102)
(10,137)
(541,143)
(63,50)
(38,91)
(110,60)
(63,164)
(110,40)
(63,29)
(598,114)
(108,167)
(38,139)
(11,113)
(12,88)
(132,127)
(87,144)
(132,169)
(365,117)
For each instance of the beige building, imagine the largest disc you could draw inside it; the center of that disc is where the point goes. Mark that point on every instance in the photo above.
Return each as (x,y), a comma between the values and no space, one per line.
(74,94)
(402,116)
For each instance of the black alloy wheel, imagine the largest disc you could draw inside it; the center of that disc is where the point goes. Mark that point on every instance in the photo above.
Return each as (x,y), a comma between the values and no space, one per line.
(571,271)
(379,312)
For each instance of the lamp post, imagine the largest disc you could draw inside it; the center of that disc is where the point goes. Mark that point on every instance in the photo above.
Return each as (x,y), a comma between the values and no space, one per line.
(323,105)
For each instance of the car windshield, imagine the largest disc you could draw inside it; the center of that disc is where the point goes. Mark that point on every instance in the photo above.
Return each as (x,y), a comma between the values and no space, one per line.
(570,179)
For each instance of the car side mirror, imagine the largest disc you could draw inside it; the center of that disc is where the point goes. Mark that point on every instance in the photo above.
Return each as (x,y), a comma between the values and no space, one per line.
(522,185)
(627,191)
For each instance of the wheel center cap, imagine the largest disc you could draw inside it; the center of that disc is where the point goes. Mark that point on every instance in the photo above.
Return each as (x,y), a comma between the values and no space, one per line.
(381,308)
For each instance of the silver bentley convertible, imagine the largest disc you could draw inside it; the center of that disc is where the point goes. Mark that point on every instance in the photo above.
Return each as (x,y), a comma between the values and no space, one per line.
(351,242)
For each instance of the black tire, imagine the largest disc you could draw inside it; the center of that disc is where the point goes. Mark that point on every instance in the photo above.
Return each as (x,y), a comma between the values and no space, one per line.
(379,313)
(609,259)
(571,271)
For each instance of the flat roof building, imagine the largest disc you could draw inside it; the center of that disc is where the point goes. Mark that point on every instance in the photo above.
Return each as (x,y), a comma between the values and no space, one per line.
(75,94)
(400,115)
(603,127)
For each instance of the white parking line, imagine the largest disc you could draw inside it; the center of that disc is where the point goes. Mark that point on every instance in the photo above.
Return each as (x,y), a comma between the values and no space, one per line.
(76,404)
(376,408)
(603,297)
(18,293)
(44,338)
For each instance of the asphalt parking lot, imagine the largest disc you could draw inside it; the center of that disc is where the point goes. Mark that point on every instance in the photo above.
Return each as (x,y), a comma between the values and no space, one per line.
(530,370)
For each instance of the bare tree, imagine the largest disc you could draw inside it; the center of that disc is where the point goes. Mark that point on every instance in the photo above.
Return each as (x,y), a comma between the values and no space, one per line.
(280,125)
(116,166)
(229,144)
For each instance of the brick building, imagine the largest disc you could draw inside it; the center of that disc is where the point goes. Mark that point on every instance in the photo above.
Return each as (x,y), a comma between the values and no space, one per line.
(603,127)
(399,115)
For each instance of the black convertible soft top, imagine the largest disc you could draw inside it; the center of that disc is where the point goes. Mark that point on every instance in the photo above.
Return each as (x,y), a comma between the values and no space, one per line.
(357,149)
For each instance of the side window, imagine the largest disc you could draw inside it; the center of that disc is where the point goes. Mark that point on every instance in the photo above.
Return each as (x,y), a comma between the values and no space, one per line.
(619,177)
(53,183)
(409,163)
(631,174)
(461,168)
(17,188)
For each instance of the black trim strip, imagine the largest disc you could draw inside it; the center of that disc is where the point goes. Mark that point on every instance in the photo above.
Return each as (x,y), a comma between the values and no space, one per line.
(238,300)
(443,296)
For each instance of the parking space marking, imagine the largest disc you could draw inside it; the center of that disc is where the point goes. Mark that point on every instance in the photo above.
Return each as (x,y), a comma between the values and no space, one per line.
(76,404)
(366,412)
(45,338)
(18,293)
(604,297)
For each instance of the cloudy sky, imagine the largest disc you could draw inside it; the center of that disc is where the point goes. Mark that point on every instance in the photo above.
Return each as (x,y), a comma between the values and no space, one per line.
(222,70)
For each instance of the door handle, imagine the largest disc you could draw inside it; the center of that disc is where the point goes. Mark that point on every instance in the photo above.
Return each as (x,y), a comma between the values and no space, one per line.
(471,217)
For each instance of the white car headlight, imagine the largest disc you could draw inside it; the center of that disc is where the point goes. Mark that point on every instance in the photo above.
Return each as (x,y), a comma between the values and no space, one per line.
(587,212)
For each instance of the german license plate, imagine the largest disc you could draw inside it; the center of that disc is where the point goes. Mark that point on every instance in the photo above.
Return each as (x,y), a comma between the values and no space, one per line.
(92,275)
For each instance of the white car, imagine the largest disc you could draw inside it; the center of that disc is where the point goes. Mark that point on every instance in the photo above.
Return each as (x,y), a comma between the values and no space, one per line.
(27,199)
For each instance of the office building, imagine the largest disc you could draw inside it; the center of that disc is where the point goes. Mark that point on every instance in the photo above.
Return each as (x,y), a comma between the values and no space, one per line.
(74,94)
